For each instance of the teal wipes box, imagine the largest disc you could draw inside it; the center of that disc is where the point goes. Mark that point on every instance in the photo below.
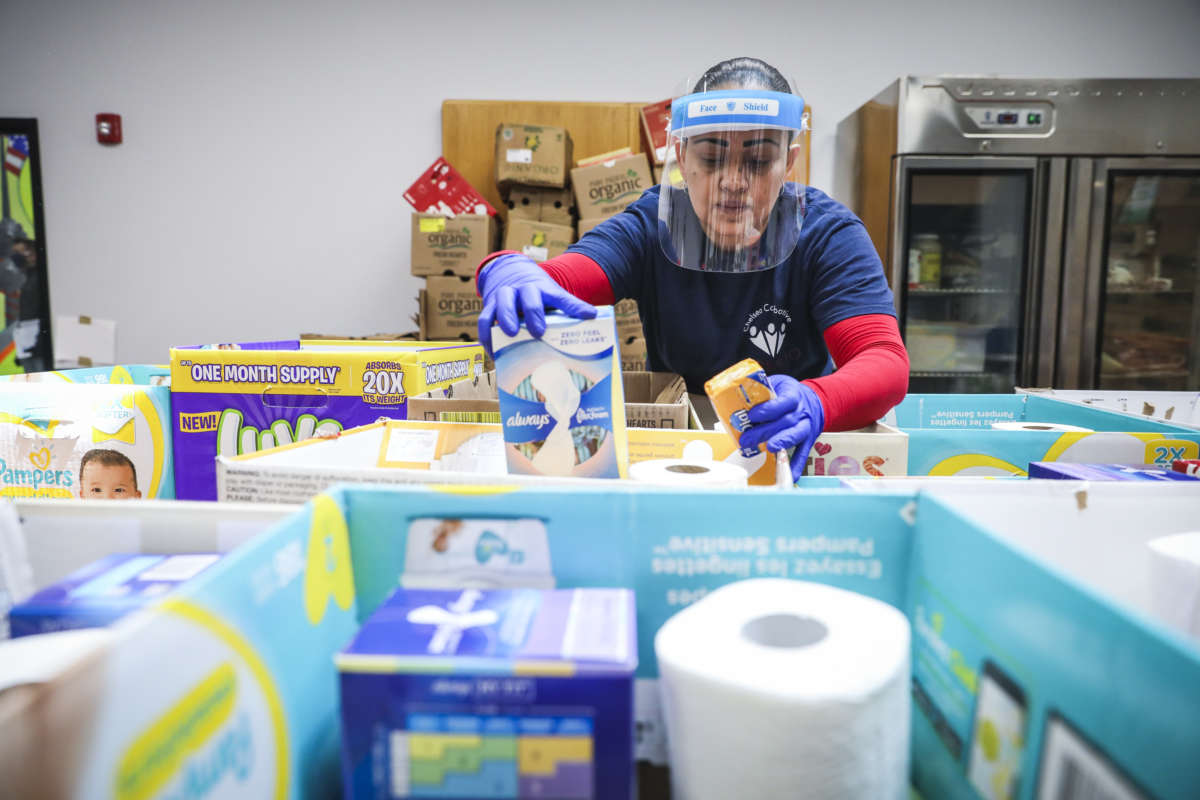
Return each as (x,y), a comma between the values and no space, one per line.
(491,694)
(1038,662)
(997,434)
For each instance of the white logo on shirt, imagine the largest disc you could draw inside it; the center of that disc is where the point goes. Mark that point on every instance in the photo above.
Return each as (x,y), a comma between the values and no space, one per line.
(767,327)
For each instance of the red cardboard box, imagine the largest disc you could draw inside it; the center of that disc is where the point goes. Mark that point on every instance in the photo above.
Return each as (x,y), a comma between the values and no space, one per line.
(656,117)
(441,190)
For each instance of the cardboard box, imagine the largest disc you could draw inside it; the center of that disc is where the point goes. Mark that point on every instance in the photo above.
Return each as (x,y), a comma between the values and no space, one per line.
(1177,408)
(535,155)
(948,561)
(135,374)
(652,400)
(104,591)
(633,356)
(629,320)
(227,402)
(454,245)
(442,190)
(450,308)
(952,434)
(1103,472)
(538,240)
(656,119)
(603,189)
(50,430)
(568,733)
(541,204)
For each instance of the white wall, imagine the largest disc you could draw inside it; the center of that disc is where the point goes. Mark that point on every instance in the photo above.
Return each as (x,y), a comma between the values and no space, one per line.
(258,192)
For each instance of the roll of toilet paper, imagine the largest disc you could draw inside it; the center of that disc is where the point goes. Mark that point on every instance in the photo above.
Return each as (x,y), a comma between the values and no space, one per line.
(683,472)
(1039,426)
(1175,581)
(775,688)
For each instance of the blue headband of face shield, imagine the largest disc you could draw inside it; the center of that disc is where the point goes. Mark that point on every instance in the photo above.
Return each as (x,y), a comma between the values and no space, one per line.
(737,108)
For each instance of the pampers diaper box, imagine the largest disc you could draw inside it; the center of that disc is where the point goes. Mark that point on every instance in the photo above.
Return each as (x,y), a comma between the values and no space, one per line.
(50,431)
(998,434)
(491,694)
(136,374)
(562,401)
(237,401)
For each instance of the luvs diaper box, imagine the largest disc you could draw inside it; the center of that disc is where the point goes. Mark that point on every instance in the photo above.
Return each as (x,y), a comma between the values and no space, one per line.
(86,440)
(236,401)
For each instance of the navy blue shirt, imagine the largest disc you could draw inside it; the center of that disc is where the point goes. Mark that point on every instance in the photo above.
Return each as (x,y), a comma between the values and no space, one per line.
(698,323)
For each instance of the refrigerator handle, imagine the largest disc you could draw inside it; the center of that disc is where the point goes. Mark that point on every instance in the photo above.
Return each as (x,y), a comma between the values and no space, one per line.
(1072,324)
(1041,352)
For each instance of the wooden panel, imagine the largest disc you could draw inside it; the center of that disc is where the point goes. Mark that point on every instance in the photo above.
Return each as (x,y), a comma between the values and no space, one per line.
(469,131)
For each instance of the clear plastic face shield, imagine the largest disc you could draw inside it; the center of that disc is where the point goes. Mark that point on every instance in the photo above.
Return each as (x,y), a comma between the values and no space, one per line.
(732,194)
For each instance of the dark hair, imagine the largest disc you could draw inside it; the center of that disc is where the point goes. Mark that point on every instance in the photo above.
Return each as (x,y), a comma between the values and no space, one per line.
(107,458)
(742,73)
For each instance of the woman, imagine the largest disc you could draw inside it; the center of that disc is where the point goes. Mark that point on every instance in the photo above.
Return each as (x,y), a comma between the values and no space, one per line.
(728,259)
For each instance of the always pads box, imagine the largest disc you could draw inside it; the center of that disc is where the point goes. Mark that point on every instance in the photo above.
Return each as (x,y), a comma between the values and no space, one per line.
(85,440)
(491,694)
(535,155)
(442,190)
(603,189)
(451,244)
(538,240)
(230,402)
(450,308)
(541,204)
(562,401)
(104,591)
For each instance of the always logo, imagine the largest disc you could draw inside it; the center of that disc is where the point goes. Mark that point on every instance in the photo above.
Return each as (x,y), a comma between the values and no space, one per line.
(767,327)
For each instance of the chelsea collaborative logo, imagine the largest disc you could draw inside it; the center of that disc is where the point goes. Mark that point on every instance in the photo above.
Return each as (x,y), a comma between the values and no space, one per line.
(767,327)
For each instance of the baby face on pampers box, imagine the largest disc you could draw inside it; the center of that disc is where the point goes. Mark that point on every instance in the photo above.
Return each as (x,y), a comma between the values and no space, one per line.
(235,401)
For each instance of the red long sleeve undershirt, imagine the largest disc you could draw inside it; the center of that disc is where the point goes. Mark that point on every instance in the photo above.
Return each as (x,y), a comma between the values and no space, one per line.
(872,363)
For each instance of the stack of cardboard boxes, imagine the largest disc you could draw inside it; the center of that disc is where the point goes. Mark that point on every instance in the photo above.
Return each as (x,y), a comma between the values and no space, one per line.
(604,186)
(532,174)
(453,229)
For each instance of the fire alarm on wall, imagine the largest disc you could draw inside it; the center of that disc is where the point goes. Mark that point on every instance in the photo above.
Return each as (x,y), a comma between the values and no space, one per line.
(108,128)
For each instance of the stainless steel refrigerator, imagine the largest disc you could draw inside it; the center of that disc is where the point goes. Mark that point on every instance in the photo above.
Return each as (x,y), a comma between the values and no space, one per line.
(1034,231)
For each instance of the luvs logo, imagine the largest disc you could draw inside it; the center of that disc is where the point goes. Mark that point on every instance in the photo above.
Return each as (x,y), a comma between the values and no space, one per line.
(234,438)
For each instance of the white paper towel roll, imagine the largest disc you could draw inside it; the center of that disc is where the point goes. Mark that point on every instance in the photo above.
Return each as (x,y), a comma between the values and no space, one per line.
(1039,426)
(775,688)
(682,472)
(1175,581)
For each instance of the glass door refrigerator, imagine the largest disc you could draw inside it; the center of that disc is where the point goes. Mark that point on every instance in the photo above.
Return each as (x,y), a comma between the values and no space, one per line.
(1034,232)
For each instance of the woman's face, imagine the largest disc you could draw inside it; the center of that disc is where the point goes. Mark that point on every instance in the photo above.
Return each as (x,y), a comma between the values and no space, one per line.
(733,179)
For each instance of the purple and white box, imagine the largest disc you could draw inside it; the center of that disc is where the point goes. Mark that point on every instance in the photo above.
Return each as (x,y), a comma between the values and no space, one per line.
(491,694)
(104,591)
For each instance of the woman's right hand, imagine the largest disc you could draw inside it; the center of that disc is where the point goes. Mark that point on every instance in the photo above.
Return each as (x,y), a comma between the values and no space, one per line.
(514,286)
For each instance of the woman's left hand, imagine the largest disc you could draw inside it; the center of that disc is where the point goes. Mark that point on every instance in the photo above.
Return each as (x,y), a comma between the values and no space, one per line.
(793,418)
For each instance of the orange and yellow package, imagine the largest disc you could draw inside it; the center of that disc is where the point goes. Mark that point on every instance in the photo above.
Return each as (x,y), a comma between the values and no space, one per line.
(734,392)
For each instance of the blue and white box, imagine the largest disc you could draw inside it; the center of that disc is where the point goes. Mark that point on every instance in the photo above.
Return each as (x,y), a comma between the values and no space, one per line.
(491,694)
(562,403)
(104,591)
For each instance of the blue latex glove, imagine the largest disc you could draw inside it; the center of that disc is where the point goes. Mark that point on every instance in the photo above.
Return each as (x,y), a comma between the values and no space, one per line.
(513,286)
(794,418)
